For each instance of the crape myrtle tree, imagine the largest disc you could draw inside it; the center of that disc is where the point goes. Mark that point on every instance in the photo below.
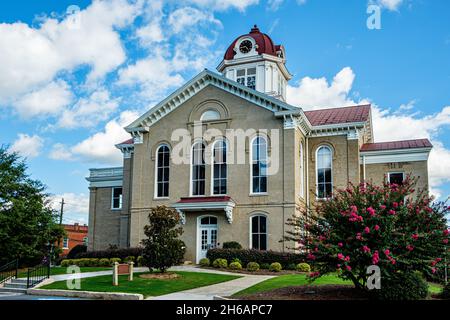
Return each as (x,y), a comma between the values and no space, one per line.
(367,225)
(27,223)
(162,248)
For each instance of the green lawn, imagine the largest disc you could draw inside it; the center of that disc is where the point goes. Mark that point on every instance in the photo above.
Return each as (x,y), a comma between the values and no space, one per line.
(63,270)
(289,280)
(147,287)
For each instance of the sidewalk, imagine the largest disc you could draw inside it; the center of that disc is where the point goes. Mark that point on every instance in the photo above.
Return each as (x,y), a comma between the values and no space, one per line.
(62,277)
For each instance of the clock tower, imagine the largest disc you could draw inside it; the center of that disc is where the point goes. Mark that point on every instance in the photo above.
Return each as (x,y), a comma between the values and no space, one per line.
(255,61)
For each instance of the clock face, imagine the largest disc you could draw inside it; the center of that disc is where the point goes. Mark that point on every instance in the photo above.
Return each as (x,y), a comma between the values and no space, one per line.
(245,46)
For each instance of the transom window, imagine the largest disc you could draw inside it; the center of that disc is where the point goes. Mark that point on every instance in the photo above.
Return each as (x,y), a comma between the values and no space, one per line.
(209,115)
(220,167)
(198,169)
(247,77)
(162,171)
(324,172)
(259,165)
(208,220)
(116,201)
(396,177)
(259,232)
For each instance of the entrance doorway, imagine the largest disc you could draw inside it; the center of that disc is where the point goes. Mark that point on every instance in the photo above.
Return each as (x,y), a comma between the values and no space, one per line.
(206,235)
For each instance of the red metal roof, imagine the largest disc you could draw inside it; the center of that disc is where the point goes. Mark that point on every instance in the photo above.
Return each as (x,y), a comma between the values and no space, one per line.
(338,115)
(394,145)
(263,41)
(204,199)
(129,141)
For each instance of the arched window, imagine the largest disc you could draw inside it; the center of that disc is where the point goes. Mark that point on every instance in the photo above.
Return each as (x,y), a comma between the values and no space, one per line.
(210,115)
(198,169)
(324,172)
(302,191)
(259,232)
(259,165)
(219,167)
(162,171)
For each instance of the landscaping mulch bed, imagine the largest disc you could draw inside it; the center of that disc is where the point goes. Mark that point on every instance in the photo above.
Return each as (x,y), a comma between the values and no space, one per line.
(160,276)
(322,292)
(260,272)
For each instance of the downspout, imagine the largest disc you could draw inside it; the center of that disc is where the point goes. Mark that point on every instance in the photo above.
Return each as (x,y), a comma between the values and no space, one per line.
(307,171)
(364,168)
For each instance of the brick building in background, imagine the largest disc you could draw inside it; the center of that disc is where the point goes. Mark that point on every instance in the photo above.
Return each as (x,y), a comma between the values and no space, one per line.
(75,235)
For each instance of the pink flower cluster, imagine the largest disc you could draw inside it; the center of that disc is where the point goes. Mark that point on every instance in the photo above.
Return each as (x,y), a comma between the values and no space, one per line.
(436,261)
(375,257)
(371,211)
(415,236)
(377,227)
(366,230)
(314,274)
(359,236)
(392,212)
(410,247)
(311,256)
(365,249)
(388,255)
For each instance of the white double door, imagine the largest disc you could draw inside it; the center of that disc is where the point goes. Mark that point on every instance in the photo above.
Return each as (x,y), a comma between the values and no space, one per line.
(207,240)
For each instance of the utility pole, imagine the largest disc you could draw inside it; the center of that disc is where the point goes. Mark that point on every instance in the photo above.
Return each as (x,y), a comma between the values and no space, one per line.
(61,212)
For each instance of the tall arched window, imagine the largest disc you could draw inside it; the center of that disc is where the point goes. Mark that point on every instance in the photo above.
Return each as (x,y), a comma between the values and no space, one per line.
(219,167)
(259,232)
(259,165)
(162,171)
(302,191)
(198,169)
(324,172)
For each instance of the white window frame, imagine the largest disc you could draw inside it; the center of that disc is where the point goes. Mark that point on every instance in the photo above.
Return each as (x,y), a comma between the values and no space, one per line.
(191,165)
(246,75)
(155,194)
(395,172)
(212,167)
(251,166)
(331,167)
(66,243)
(210,110)
(259,214)
(120,198)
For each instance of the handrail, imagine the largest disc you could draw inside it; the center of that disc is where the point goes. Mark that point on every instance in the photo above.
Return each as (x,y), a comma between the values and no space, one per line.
(37,274)
(9,271)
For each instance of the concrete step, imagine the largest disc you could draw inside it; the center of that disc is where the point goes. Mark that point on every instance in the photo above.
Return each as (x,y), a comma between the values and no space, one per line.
(19,280)
(12,290)
(15,285)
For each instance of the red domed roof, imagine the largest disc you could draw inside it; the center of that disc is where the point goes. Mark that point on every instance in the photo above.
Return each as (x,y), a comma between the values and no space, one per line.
(263,41)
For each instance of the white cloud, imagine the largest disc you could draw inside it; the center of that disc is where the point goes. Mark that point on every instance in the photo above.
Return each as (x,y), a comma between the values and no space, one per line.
(391,5)
(49,100)
(60,152)
(99,148)
(186,17)
(88,112)
(76,207)
(274,5)
(32,57)
(241,5)
(28,146)
(316,93)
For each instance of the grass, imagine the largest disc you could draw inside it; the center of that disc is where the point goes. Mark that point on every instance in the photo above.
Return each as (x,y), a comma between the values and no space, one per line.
(289,280)
(63,270)
(147,287)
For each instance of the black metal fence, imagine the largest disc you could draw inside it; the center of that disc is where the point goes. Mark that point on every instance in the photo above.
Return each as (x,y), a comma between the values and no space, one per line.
(9,271)
(37,274)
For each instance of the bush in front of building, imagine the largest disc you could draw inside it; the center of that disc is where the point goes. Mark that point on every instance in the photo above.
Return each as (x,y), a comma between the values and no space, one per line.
(140,261)
(251,255)
(235,266)
(291,266)
(104,262)
(114,260)
(129,259)
(275,267)
(265,266)
(252,266)
(220,263)
(303,267)
(232,245)
(75,251)
(121,253)
(66,262)
(162,248)
(204,262)
(402,286)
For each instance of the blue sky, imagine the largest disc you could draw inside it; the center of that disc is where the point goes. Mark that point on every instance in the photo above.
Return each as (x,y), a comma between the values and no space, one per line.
(69,83)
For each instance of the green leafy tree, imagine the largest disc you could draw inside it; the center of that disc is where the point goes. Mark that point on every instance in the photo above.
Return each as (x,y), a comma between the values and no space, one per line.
(367,225)
(162,248)
(27,222)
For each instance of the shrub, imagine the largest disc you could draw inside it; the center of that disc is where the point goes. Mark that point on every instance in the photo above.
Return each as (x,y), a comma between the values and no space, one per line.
(402,286)
(204,262)
(78,249)
(446,292)
(265,266)
(66,262)
(220,263)
(129,259)
(111,253)
(236,260)
(232,245)
(235,266)
(250,255)
(367,225)
(113,260)
(275,267)
(291,266)
(252,266)
(104,262)
(162,248)
(140,261)
(303,267)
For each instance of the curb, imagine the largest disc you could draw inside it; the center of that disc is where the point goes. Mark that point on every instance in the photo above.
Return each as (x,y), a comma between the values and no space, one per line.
(222,298)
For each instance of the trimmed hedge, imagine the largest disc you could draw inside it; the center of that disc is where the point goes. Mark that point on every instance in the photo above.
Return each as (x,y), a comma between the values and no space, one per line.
(275,267)
(402,286)
(251,255)
(235,266)
(231,245)
(122,253)
(303,267)
(220,263)
(204,262)
(252,266)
